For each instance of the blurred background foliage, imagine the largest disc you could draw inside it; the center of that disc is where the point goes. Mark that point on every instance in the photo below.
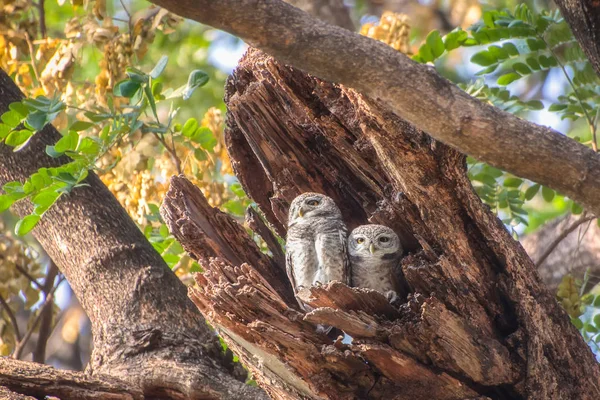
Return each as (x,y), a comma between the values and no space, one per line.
(76,52)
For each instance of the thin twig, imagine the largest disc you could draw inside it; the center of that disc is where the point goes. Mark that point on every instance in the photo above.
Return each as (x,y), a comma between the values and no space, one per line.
(126,10)
(31,51)
(49,300)
(171,151)
(39,354)
(587,116)
(11,316)
(42,11)
(31,278)
(561,237)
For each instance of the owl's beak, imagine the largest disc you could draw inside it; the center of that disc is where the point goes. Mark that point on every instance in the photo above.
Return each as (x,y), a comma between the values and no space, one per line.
(372,248)
(301,212)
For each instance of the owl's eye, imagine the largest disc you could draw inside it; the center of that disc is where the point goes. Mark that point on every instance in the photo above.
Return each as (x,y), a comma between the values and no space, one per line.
(384,239)
(360,240)
(313,202)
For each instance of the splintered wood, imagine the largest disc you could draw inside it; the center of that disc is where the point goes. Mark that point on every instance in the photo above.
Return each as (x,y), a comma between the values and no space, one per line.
(478,323)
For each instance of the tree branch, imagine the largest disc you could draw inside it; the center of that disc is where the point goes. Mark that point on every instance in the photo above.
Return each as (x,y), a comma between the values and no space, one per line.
(42,380)
(415,92)
(39,354)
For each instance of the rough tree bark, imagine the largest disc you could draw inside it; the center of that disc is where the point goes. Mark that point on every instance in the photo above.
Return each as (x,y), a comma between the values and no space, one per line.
(413,91)
(479,324)
(583,16)
(146,331)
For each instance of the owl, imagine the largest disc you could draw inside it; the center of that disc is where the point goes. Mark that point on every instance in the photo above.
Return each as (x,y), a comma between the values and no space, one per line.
(375,252)
(316,243)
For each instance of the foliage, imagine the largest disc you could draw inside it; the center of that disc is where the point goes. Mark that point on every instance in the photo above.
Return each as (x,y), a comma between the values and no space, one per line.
(117,120)
(519,45)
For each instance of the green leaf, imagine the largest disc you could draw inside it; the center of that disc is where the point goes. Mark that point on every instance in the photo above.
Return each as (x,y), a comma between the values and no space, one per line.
(508,78)
(6,200)
(80,126)
(26,224)
(557,107)
(19,108)
(511,49)
(533,63)
(577,322)
(596,320)
(596,299)
(196,79)
(234,207)
(45,198)
(484,58)
(513,182)
(547,194)
(11,118)
(160,67)
(18,139)
(521,68)
(126,88)
(576,209)
(200,155)
(4,131)
(151,101)
(190,127)
(454,39)
(535,105)
(164,231)
(88,146)
(205,138)
(587,299)
(532,191)
(67,142)
(37,120)
(434,41)
(425,53)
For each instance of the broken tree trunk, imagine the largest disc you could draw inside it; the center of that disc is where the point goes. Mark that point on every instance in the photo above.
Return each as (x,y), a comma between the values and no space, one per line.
(479,323)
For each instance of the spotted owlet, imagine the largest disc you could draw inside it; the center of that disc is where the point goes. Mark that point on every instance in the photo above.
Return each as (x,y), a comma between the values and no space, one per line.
(316,243)
(375,253)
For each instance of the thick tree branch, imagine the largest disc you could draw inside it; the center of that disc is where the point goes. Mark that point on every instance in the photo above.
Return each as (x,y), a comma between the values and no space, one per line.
(415,92)
(42,380)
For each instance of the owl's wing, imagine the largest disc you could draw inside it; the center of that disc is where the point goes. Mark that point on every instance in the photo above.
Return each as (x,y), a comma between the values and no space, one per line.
(289,267)
(347,273)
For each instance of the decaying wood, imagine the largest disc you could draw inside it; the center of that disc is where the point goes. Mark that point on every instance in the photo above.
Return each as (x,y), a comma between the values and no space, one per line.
(22,377)
(479,322)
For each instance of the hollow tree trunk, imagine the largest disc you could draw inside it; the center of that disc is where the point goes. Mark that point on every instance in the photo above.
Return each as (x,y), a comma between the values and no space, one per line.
(145,329)
(479,323)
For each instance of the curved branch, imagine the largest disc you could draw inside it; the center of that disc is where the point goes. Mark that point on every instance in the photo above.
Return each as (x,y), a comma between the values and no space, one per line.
(413,91)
